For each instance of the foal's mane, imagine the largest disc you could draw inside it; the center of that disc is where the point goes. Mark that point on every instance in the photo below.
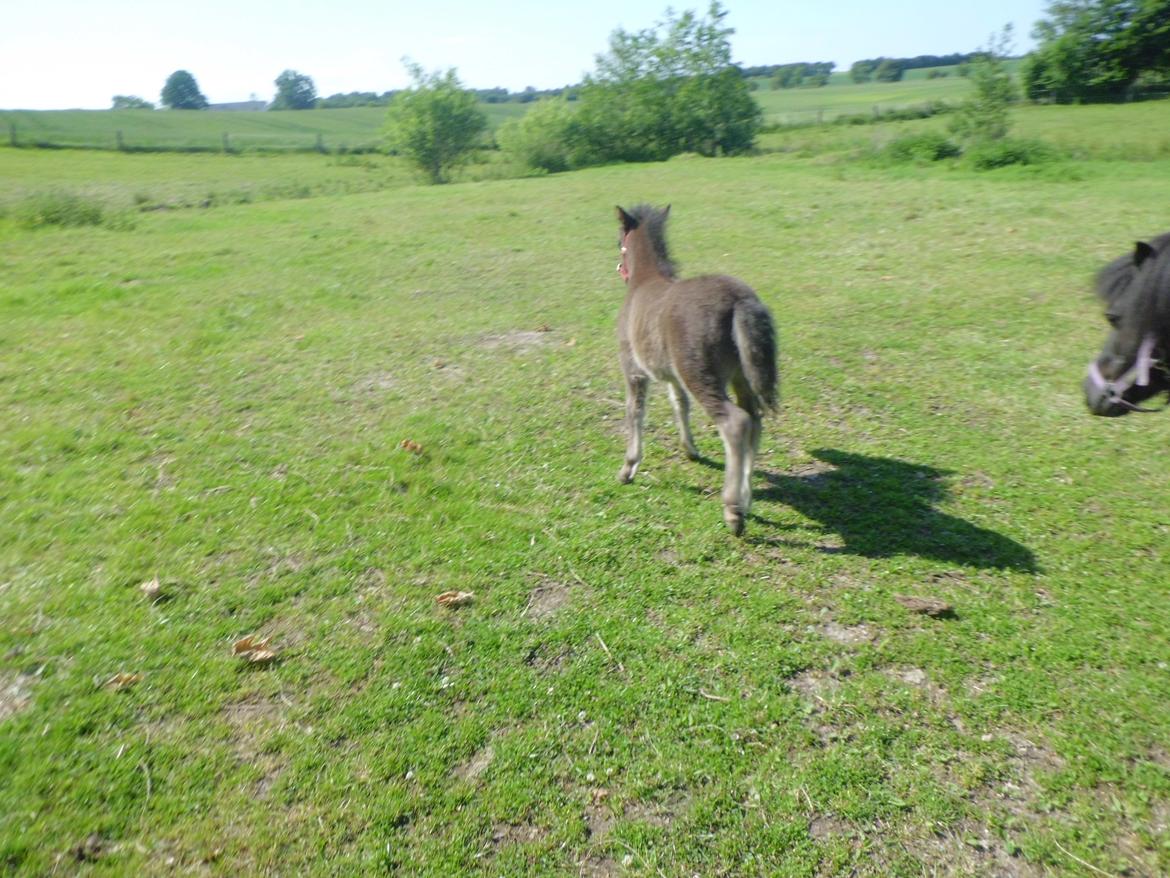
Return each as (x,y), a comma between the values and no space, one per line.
(653,222)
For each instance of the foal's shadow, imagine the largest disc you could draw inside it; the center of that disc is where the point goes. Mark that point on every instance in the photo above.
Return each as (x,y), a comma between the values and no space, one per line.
(882,507)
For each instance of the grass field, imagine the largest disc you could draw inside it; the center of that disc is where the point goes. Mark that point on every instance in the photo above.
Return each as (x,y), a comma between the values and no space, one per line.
(218,397)
(797,106)
(359,128)
(353,129)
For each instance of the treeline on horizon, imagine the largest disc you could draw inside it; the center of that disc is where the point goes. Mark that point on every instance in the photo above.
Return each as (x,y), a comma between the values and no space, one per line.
(483,95)
(790,75)
(816,73)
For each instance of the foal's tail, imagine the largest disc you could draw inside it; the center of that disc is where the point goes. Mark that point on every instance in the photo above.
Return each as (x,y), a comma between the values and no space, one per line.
(755,336)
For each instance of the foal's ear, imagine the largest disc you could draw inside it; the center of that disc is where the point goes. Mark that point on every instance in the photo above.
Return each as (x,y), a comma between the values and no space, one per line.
(627,221)
(1141,252)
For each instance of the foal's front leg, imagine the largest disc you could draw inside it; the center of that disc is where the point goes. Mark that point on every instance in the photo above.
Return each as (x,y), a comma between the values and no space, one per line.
(636,386)
(681,403)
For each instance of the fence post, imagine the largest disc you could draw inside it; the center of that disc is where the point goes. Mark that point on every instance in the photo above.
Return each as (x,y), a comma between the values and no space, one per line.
(121,142)
(320,142)
(227,146)
(12,134)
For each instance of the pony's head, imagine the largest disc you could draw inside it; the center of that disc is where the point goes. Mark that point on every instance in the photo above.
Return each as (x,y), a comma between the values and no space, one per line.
(1132,366)
(642,235)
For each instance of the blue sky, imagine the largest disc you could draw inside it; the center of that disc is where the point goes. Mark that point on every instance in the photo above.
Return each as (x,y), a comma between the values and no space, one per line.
(58,54)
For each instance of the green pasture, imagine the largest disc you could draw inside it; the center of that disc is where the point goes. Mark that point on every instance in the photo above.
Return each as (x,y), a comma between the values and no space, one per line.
(308,414)
(340,130)
(799,106)
(359,128)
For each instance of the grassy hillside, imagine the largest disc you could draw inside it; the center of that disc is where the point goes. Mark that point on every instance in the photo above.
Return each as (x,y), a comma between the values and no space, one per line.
(309,416)
(357,128)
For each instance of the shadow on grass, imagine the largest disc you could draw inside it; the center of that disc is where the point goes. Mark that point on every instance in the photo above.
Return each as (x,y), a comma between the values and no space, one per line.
(882,507)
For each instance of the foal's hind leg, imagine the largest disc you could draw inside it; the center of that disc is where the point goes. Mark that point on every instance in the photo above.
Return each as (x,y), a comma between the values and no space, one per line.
(735,428)
(750,403)
(636,386)
(681,403)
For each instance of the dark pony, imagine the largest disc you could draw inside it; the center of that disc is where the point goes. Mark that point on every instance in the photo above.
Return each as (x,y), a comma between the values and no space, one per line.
(1132,366)
(699,336)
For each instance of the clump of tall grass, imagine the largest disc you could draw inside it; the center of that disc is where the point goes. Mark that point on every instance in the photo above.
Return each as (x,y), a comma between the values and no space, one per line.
(1007,151)
(920,148)
(64,210)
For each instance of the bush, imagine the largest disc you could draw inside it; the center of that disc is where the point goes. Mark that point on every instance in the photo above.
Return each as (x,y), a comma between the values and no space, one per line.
(1010,151)
(435,123)
(542,138)
(62,209)
(929,146)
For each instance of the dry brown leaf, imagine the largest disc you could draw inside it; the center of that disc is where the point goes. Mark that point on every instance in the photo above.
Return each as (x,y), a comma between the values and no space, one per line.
(411,446)
(932,607)
(599,795)
(254,649)
(570,342)
(455,598)
(544,327)
(152,588)
(121,681)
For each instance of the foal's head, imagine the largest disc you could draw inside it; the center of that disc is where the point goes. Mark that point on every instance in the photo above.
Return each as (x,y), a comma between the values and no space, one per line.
(1131,367)
(643,241)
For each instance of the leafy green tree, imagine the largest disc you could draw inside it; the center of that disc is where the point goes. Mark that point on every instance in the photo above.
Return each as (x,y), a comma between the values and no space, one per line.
(1098,50)
(543,138)
(862,71)
(435,123)
(984,117)
(665,90)
(294,91)
(889,70)
(181,92)
(131,102)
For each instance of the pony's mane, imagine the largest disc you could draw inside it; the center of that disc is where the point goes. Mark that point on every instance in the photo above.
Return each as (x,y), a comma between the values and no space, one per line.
(653,221)
(1150,305)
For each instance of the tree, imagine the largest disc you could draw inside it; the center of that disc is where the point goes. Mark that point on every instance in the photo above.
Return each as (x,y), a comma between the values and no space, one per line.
(1098,50)
(182,93)
(889,70)
(131,102)
(665,90)
(984,116)
(294,91)
(435,123)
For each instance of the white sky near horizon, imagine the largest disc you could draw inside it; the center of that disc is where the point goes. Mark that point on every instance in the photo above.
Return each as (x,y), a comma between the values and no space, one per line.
(64,54)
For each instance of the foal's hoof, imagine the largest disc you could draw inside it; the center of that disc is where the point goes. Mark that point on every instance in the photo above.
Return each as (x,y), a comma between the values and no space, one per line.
(735,521)
(626,474)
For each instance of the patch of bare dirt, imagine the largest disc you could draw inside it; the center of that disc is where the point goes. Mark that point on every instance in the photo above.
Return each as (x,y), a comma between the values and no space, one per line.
(254,721)
(660,814)
(15,694)
(476,765)
(824,826)
(919,679)
(546,600)
(970,849)
(547,660)
(516,833)
(376,382)
(599,823)
(851,635)
(813,472)
(518,341)
(815,685)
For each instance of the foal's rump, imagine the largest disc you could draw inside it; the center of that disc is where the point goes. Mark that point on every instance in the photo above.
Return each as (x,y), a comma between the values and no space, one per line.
(718,331)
